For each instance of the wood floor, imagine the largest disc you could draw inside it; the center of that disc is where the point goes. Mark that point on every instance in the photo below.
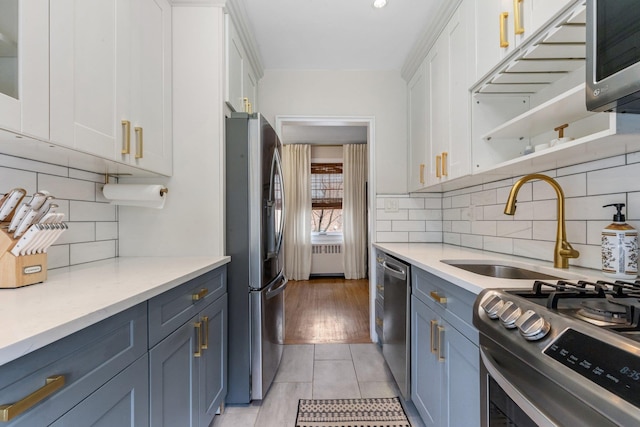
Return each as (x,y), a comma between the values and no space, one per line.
(327,310)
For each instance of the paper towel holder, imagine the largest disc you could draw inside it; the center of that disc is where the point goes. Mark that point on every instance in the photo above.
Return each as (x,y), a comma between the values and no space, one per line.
(163,190)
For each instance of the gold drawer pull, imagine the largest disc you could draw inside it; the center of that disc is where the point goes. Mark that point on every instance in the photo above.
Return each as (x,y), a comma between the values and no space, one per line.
(140,142)
(437,298)
(517,17)
(201,294)
(7,412)
(444,163)
(379,322)
(380,288)
(126,137)
(434,349)
(198,326)
(440,341)
(205,332)
(503,29)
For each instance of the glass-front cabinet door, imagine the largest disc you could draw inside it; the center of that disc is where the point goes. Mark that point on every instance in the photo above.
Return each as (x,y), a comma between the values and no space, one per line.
(9,48)
(24,67)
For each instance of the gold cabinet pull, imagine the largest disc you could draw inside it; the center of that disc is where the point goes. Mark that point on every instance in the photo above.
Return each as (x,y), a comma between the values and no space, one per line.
(438,298)
(438,166)
(53,383)
(444,163)
(440,343)
(380,288)
(503,29)
(205,332)
(379,321)
(198,352)
(245,101)
(422,173)
(434,349)
(201,294)
(139,142)
(126,137)
(517,17)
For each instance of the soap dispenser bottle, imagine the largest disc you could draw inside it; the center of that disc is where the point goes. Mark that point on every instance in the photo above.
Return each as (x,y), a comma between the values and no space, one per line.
(619,247)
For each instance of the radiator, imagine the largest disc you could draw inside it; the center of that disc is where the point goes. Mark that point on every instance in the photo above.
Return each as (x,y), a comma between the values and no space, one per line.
(327,259)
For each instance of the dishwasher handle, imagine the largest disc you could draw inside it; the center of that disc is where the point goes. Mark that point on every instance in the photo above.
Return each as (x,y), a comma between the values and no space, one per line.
(395,270)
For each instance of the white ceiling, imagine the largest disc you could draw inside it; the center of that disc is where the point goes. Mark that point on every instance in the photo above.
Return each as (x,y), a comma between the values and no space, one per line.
(338,34)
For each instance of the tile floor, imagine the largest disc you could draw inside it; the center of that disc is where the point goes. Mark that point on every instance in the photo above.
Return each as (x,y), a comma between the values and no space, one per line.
(320,371)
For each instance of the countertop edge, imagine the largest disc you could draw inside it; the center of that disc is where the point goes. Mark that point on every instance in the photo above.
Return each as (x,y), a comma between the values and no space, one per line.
(101,300)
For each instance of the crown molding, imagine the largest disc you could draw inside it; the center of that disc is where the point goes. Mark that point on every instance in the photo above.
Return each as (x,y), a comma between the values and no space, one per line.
(428,38)
(238,14)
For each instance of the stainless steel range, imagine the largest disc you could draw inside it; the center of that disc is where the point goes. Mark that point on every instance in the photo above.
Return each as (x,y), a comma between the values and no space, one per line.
(560,354)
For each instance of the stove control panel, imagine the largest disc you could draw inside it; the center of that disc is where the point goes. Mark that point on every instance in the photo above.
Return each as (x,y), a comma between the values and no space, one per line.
(610,367)
(508,314)
(530,324)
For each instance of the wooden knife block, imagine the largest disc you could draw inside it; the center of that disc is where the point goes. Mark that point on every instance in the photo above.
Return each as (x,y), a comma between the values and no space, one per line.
(17,271)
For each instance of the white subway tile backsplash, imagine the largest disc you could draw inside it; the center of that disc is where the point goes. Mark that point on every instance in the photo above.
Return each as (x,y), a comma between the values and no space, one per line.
(32,165)
(473,216)
(514,229)
(92,251)
(14,178)
(498,244)
(78,232)
(400,215)
(614,180)
(484,228)
(425,237)
(92,211)
(106,230)
(609,162)
(67,188)
(93,227)
(460,201)
(392,236)
(433,226)
(411,203)
(383,225)
(486,197)
(407,225)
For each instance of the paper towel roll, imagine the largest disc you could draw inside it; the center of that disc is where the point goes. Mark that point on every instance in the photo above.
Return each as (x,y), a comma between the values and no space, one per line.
(147,196)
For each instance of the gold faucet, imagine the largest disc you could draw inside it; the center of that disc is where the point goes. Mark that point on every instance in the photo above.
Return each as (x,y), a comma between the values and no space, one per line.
(563,250)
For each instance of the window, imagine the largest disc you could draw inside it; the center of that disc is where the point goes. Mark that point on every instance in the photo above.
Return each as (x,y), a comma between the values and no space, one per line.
(326,198)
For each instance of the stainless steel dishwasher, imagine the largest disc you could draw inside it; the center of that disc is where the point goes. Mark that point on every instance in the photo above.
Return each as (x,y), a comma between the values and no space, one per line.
(396,321)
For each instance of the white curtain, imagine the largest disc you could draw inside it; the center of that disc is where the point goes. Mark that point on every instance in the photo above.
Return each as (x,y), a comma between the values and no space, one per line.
(354,210)
(296,167)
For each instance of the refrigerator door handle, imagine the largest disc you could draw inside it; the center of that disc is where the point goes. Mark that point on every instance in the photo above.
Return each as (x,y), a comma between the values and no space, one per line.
(278,289)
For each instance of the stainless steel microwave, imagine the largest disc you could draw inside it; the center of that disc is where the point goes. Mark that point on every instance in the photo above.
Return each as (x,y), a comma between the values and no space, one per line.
(613,56)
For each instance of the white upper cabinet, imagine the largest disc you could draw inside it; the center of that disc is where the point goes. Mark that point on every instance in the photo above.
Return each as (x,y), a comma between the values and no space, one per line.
(503,25)
(418,116)
(111,80)
(24,67)
(241,89)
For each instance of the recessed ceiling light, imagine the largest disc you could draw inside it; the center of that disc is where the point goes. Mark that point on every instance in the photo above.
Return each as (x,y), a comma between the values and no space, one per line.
(379,3)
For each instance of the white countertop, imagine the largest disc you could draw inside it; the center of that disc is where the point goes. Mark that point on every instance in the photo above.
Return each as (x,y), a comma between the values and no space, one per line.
(75,297)
(428,256)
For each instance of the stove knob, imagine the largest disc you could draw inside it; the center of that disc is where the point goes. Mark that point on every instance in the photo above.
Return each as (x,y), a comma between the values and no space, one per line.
(532,326)
(492,306)
(508,314)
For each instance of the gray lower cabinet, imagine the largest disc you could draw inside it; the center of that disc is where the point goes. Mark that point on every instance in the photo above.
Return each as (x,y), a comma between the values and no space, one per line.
(122,402)
(106,375)
(67,371)
(445,365)
(188,368)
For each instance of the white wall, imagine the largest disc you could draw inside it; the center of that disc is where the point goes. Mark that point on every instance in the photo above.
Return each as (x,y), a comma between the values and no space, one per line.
(381,94)
(191,222)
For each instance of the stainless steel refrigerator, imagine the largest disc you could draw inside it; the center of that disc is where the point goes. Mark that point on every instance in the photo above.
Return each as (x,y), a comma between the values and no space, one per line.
(254,236)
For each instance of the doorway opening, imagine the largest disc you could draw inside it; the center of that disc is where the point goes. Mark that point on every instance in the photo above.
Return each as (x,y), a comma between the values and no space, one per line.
(327,308)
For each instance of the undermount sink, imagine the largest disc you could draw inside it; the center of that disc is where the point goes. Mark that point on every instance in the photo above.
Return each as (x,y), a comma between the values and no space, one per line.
(499,270)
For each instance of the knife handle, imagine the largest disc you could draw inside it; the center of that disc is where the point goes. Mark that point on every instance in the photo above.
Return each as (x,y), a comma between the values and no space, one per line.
(10,202)
(25,223)
(18,217)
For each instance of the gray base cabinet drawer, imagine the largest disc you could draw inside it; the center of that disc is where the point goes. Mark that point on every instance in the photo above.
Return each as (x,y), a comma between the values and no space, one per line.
(122,402)
(453,303)
(86,360)
(170,310)
(188,380)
